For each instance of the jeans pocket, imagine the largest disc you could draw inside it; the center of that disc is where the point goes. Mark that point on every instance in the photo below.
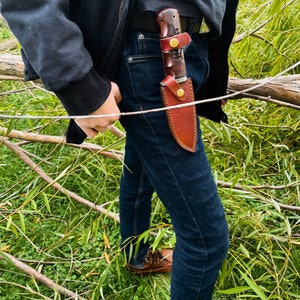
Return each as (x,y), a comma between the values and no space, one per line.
(146,72)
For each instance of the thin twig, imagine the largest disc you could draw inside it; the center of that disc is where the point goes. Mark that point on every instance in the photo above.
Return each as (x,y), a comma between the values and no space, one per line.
(258,187)
(263,98)
(16,91)
(39,277)
(250,188)
(30,290)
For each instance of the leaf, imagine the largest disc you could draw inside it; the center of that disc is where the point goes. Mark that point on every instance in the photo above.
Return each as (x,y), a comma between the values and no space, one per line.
(244,251)
(46,201)
(5,248)
(6,257)
(250,154)
(226,132)
(86,170)
(106,240)
(86,236)
(235,290)
(9,222)
(106,256)
(22,221)
(258,291)
(275,6)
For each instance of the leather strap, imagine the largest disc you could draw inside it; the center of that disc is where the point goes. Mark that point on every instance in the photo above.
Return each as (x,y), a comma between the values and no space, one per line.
(174,87)
(175,42)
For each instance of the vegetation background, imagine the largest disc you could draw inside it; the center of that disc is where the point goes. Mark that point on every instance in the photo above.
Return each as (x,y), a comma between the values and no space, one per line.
(257,155)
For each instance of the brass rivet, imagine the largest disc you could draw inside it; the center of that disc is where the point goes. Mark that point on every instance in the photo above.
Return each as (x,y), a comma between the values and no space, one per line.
(180,93)
(174,43)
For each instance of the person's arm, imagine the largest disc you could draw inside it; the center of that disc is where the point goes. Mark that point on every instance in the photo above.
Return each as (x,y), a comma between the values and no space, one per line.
(54,47)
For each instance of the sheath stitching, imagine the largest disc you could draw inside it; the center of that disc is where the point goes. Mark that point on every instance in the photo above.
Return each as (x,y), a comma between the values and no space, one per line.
(171,123)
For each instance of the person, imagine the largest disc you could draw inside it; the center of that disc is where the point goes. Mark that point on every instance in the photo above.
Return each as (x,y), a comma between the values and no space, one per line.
(103,57)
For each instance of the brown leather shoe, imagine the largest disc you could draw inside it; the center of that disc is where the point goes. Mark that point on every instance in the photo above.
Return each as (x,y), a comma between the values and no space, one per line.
(155,262)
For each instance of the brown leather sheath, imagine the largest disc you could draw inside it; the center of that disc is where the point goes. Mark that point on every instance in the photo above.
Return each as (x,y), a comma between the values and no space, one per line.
(176,88)
(182,121)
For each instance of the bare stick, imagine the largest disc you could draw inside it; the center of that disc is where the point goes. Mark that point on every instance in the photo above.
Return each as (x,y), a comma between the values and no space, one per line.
(30,290)
(284,88)
(18,151)
(43,138)
(35,137)
(249,188)
(116,131)
(9,45)
(11,65)
(40,277)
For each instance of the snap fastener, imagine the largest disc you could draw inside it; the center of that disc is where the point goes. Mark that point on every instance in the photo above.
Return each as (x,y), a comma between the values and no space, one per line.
(141,36)
(174,43)
(180,93)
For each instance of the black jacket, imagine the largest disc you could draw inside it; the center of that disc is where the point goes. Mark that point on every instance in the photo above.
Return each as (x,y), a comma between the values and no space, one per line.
(73,45)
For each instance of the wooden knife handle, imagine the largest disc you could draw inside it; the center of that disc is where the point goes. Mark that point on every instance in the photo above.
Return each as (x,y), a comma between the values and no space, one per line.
(173,60)
(169,21)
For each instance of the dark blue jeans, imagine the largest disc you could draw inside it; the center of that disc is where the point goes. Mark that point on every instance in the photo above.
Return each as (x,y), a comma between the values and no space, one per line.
(182,180)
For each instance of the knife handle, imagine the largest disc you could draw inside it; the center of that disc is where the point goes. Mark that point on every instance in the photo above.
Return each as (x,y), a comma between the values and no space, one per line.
(169,21)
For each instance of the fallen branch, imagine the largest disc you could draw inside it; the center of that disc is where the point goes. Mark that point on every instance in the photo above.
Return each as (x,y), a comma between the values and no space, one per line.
(18,151)
(43,138)
(284,88)
(39,277)
(95,148)
(11,65)
(9,45)
(250,188)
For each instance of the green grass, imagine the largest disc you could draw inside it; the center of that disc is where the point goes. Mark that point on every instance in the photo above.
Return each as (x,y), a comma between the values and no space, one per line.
(79,248)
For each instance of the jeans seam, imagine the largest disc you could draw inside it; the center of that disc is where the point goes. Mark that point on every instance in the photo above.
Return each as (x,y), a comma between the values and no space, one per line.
(129,72)
(137,203)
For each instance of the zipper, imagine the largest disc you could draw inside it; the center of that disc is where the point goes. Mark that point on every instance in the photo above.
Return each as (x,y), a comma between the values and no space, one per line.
(121,8)
(120,20)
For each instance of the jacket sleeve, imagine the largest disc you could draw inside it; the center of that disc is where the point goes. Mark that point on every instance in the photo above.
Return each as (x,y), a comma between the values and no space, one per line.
(53,46)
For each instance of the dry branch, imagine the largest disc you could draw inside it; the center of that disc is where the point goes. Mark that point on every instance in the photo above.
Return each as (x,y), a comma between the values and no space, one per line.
(43,138)
(11,65)
(284,88)
(39,277)
(249,188)
(19,152)
(9,45)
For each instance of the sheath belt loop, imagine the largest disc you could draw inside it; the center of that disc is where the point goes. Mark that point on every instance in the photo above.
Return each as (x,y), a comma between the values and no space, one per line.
(174,87)
(175,42)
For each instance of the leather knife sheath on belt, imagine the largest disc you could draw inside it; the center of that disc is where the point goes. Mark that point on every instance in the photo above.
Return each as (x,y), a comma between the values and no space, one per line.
(176,88)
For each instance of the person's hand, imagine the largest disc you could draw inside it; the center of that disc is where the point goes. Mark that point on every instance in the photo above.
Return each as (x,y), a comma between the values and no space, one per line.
(94,125)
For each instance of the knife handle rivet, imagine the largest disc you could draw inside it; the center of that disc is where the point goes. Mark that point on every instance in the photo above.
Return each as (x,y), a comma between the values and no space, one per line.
(174,43)
(180,93)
